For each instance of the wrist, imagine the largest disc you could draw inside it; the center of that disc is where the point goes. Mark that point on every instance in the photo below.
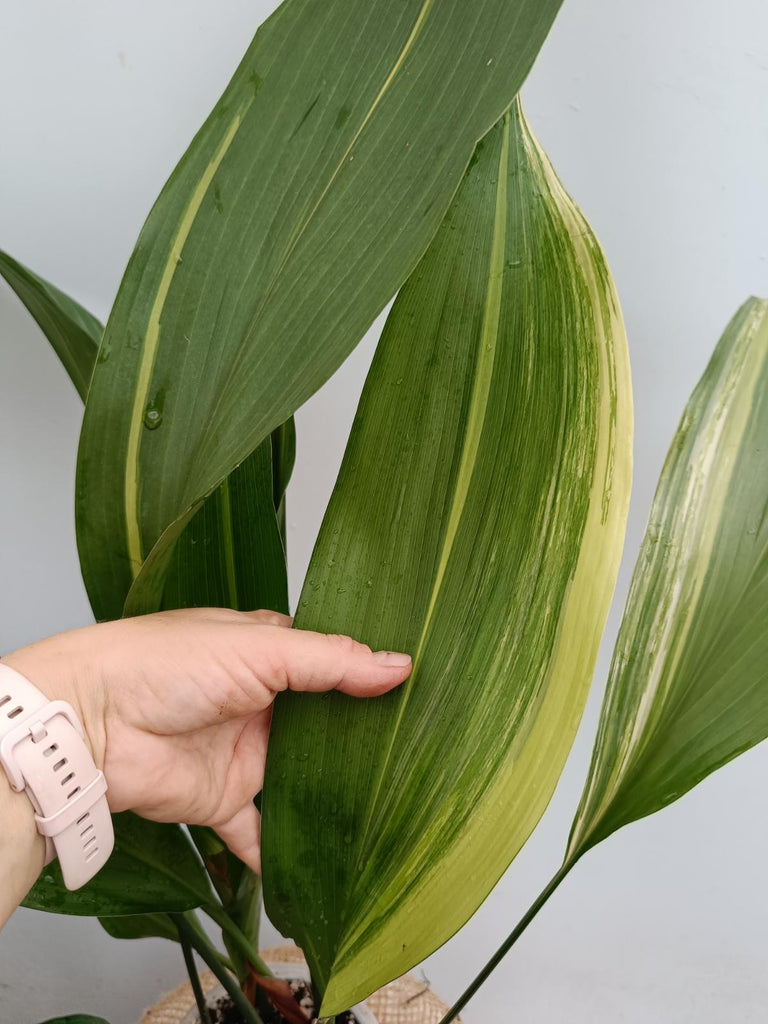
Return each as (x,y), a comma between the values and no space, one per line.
(22,848)
(61,671)
(49,762)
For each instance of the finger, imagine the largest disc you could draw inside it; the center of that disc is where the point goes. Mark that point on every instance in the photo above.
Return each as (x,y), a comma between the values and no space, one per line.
(266,617)
(242,834)
(298,659)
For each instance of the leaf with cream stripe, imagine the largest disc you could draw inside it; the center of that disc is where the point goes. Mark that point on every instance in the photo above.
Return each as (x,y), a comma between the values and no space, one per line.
(688,687)
(477,522)
(297,212)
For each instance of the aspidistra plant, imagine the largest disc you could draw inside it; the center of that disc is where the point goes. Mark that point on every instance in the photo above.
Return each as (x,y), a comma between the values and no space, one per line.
(479,514)
(359,172)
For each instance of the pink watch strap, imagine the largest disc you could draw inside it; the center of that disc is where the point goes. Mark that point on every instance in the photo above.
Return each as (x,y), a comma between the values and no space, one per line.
(43,752)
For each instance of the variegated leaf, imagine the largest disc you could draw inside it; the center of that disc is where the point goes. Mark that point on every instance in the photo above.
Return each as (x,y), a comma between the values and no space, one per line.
(477,523)
(688,688)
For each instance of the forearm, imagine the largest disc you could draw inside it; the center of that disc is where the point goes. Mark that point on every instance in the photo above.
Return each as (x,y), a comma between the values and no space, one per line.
(22,849)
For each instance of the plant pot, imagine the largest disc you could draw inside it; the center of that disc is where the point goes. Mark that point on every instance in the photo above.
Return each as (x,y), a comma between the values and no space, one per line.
(296,970)
(405,1001)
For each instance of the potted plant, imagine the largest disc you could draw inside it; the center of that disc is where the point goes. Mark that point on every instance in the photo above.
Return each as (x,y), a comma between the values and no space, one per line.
(361,151)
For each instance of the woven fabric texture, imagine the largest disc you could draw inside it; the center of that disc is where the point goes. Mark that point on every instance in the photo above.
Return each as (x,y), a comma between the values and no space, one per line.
(405,1001)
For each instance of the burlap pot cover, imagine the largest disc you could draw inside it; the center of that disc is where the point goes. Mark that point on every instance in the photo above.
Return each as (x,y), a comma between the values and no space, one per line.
(405,1001)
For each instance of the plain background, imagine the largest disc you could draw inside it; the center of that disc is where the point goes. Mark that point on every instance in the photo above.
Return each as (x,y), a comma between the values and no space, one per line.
(655,116)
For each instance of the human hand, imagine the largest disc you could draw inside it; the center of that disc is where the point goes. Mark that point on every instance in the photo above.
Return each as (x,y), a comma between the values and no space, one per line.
(176,706)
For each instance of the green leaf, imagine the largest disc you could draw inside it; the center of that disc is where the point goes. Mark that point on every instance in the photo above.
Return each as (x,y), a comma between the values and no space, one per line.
(477,523)
(141,926)
(205,571)
(238,888)
(283,461)
(297,212)
(688,686)
(147,926)
(153,868)
(71,330)
(77,1018)
(231,553)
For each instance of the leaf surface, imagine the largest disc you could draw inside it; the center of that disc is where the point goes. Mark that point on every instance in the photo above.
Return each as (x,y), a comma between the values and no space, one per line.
(153,868)
(231,553)
(688,686)
(141,926)
(72,331)
(297,212)
(77,1018)
(477,523)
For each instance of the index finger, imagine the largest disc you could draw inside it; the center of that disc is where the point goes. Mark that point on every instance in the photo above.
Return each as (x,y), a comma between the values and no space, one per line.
(303,660)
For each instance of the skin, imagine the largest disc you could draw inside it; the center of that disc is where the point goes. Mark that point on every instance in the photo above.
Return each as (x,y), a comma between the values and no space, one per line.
(176,710)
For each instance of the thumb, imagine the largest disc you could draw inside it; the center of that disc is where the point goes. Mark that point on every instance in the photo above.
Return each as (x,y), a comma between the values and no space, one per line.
(242,834)
(314,662)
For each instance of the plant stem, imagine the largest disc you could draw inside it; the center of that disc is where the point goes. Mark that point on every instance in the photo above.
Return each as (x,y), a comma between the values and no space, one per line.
(194,977)
(508,943)
(192,920)
(211,957)
(218,914)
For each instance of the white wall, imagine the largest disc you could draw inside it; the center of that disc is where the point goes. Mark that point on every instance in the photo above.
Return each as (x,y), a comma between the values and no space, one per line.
(655,115)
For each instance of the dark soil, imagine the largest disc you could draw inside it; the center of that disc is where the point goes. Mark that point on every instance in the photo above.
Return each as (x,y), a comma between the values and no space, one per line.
(224,1012)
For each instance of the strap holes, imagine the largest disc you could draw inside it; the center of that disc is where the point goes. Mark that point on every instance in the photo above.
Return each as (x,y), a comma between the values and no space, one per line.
(60,764)
(88,842)
(83,818)
(16,712)
(86,830)
(67,778)
(4,700)
(50,750)
(73,793)
(92,854)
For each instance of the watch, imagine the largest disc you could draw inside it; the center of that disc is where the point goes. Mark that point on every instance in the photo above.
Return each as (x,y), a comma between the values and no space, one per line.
(43,751)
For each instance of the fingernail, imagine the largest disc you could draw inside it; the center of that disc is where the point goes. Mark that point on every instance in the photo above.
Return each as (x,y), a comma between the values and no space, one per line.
(391,659)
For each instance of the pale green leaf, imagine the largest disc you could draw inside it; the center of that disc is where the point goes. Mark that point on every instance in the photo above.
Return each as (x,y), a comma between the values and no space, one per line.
(477,523)
(297,212)
(688,687)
